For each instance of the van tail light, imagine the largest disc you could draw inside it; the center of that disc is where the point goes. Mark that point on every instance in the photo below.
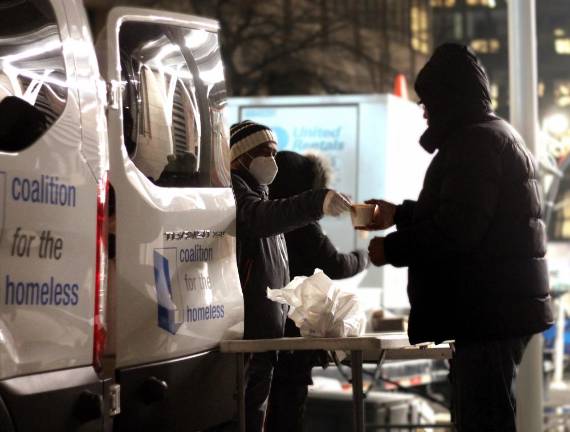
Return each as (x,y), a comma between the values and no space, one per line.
(100,324)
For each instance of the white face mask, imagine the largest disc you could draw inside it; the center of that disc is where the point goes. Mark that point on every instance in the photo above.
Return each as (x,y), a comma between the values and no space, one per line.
(264,169)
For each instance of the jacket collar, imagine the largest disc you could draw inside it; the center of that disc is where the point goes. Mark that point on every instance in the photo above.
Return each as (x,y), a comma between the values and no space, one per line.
(437,134)
(251,181)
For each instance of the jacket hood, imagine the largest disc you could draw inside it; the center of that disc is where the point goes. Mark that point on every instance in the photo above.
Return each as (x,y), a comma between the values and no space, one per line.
(299,173)
(454,88)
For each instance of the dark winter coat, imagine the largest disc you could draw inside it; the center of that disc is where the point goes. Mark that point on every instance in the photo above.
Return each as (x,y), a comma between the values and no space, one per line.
(261,250)
(309,248)
(474,241)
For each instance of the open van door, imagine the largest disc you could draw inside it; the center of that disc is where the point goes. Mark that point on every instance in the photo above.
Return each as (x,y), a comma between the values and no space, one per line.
(174,289)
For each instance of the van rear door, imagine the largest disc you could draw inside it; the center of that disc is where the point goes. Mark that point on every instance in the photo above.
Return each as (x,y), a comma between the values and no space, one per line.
(174,285)
(48,222)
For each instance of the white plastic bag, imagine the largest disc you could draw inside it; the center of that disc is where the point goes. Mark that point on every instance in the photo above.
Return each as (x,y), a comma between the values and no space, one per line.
(320,308)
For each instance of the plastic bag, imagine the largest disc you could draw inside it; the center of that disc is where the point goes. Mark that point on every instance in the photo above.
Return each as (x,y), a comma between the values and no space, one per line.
(320,308)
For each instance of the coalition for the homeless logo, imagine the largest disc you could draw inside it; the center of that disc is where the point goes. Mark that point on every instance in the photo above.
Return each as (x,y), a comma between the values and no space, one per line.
(170,310)
(177,280)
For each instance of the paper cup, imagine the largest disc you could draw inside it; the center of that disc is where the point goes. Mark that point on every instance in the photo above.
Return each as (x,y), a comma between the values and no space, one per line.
(362,214)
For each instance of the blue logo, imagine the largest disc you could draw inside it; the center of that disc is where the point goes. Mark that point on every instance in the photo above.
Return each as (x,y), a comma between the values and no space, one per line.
(169,315)
(282,137)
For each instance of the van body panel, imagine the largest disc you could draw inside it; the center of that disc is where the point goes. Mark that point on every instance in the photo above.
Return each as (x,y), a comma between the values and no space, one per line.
(174,290)
(176,286)
(48,218)
(210,401)
(91,89)
(141,336)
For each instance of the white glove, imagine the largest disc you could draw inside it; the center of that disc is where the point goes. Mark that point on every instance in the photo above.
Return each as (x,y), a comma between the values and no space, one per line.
(335,204)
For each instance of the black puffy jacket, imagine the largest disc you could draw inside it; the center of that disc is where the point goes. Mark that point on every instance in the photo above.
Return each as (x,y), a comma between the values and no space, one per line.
(474,241)
(261,250)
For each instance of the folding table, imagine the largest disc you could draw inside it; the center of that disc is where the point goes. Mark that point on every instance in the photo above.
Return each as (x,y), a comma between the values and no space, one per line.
(370,347)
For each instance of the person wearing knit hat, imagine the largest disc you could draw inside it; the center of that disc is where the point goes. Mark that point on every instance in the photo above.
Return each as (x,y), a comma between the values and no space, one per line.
(261,249)
(473,242)
(308,248)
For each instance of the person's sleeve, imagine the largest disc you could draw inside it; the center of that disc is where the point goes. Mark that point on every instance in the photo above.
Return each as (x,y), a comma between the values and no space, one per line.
(467,201)
(263,218)
(318,251)
(404,214)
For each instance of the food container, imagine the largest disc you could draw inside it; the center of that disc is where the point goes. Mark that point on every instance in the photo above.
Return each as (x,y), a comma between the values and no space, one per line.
(362,214)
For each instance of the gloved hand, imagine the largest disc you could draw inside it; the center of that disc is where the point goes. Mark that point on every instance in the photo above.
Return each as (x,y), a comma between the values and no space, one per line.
(335,203)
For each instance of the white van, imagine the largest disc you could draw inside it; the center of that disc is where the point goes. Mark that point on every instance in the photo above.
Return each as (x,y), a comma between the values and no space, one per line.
(135,170)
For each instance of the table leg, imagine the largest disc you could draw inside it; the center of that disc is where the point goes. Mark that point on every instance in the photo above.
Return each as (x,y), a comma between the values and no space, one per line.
(240,381)
(357,391)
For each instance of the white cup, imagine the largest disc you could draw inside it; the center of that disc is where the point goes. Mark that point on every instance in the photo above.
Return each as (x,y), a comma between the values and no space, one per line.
(362,214)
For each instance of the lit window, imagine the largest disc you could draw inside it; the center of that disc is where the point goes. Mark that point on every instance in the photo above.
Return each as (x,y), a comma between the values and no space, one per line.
(562,46)
(558,32)
(562,93)
(479,45)
(540,89)
(486,46)
(419,29)
(458,25)
(486,3)
(495,96)
(442,3)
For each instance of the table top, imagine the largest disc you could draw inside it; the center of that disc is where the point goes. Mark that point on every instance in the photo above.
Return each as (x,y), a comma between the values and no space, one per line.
(396,345)
(367,342)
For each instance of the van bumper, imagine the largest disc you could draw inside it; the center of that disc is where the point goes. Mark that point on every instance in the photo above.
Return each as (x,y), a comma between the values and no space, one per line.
(64,400)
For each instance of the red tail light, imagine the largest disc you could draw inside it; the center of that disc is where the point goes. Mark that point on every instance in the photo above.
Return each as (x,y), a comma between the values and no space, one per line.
(100,325)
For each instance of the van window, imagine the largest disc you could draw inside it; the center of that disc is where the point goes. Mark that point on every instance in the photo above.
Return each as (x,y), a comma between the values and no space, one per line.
(173,105)
(33,88)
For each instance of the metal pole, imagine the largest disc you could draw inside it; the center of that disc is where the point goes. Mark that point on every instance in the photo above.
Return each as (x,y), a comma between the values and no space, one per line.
(522,70)
(357,391)
(558,379)
(524,117)
(240,384)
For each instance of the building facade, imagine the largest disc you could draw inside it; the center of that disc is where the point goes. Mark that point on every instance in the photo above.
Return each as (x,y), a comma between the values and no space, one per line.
(483,25)
(276,47)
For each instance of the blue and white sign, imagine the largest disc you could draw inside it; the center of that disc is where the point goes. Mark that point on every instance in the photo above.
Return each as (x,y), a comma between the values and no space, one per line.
(184,288)
(331,130)
(327,129)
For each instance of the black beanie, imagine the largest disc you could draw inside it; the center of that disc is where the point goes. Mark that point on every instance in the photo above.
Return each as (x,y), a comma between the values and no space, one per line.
(247,135)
